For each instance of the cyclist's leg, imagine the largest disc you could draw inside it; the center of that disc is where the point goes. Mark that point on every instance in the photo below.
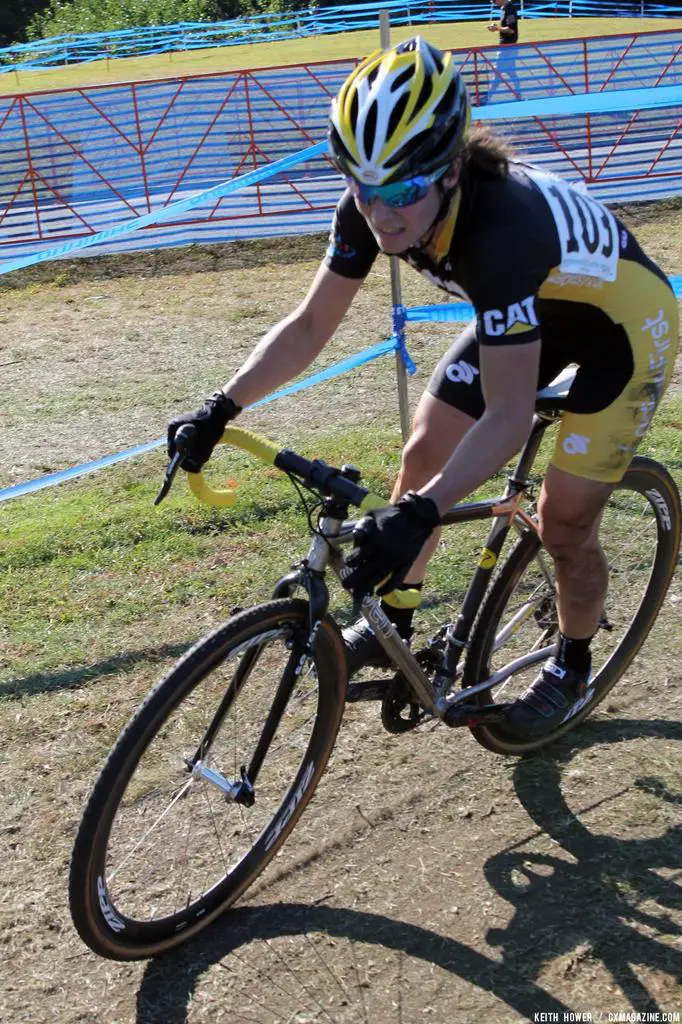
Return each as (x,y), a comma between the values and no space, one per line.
(594,448)
(449,406)
(569,511)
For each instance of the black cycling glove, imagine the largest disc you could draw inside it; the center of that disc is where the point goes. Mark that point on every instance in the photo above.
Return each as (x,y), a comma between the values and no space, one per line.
(387,543)
(210,422)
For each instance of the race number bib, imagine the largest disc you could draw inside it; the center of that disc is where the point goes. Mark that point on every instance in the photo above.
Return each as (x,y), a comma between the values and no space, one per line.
(588,233)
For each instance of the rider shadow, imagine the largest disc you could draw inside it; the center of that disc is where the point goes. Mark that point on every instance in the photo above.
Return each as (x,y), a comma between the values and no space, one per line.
(590,906)
(555,912)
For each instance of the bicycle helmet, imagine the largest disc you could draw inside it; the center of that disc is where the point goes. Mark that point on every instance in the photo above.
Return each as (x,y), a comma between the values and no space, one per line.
(400,113)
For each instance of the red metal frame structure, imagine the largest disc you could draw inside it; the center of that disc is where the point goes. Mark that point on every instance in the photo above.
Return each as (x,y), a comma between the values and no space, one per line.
(75,161)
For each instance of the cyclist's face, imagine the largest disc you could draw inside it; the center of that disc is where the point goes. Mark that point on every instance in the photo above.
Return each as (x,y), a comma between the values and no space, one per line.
(396,228)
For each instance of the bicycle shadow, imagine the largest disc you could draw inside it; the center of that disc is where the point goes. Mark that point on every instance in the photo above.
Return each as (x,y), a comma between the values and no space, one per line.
(531,939)
(168,984)
(590,906)
(43,682)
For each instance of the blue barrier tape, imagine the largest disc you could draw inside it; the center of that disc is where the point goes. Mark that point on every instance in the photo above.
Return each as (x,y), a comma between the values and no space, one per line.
(408,362)
(586,103)
(195,35)
(52,479)
(332,371)
(458,312)
(462,312)
(225,188)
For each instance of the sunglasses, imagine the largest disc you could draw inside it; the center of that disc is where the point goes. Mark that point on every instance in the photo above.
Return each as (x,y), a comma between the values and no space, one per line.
(399,193)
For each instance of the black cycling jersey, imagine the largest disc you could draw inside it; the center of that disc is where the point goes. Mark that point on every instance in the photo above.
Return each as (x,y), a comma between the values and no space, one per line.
(509,19)
(539,258)
(509,246)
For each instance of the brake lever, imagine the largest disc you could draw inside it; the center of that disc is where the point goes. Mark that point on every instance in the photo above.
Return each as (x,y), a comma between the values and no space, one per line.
(183,441)
(171,469)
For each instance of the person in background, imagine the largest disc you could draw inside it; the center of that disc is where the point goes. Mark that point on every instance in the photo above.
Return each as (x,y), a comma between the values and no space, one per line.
(505,73)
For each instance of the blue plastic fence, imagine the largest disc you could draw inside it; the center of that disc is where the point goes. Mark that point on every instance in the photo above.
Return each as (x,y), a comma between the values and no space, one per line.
(76,162)
(658,110)
(444,312)
(159,39)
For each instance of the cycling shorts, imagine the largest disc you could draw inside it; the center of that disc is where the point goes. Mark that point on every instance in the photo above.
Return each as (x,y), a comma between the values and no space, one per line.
(617,387)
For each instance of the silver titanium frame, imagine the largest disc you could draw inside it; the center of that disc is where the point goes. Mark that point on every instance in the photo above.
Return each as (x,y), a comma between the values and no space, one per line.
(325,550)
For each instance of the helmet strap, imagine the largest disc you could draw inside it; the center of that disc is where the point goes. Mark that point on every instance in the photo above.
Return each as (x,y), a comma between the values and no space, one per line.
(447,196)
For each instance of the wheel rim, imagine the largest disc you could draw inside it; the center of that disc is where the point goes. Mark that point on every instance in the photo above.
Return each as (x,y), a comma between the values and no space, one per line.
(629,537)
(175,838)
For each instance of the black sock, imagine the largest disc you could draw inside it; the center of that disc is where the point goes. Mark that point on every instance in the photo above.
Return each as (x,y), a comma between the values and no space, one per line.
(402,617)
(574,653)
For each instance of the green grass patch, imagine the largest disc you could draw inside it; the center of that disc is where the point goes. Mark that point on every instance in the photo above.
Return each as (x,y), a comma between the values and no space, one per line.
(318,48)
(93,578)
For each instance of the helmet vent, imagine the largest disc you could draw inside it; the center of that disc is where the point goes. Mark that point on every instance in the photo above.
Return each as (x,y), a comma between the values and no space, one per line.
(422,99)
(445,104)
(354,112)
(403,77)
(409,46)
(396,114)
(369,133)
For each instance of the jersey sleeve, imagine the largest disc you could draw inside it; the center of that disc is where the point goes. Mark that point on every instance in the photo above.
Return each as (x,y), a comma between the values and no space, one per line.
(504,285)
(352,247)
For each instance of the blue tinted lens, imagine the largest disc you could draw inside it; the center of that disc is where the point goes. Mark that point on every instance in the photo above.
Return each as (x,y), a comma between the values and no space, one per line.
(400,193)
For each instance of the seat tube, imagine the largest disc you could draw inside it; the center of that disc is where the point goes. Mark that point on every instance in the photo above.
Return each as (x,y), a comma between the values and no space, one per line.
(519,477)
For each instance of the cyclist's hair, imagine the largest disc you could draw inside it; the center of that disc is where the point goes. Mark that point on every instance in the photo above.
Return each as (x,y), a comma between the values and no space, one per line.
(486,153)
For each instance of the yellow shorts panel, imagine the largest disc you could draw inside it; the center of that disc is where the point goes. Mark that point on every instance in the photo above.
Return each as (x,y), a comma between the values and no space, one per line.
(599,446)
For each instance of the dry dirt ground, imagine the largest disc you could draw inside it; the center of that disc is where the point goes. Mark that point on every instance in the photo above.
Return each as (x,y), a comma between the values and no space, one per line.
(429,880)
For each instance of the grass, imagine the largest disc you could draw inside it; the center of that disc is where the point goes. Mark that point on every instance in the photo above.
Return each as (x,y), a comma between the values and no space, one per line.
(298,51)
(91,569)
(100,594)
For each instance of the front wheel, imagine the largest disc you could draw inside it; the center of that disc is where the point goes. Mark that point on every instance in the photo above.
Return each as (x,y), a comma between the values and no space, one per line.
(640,535)
(207,780)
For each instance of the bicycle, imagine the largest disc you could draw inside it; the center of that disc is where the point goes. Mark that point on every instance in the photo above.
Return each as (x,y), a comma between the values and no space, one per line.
(272,683)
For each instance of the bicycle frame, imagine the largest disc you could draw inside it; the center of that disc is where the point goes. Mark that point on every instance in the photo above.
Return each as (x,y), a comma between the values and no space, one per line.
(506,511)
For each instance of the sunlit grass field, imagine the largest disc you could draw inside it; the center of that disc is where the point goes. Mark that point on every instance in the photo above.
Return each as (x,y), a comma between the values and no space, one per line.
(297,51)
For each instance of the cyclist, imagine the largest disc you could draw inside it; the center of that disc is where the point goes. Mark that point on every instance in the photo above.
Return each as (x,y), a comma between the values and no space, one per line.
(554,278)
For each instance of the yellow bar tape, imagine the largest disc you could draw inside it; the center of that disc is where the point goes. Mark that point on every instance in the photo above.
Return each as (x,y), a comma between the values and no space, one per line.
(256,445)
(261,447)
(218,497)
(265,450)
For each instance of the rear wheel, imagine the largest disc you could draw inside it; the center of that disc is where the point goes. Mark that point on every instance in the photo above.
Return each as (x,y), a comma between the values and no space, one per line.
(207,780)
(640,534)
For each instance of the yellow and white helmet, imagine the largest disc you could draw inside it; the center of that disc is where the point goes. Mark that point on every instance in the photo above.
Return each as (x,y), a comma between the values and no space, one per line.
(400,113)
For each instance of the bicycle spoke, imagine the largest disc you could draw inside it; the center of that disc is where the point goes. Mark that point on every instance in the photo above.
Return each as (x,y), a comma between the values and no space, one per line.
(197,834)
(529,621)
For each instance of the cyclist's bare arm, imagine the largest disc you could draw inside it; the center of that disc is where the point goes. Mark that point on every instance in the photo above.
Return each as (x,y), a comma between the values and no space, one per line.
(509,376)
(292,344)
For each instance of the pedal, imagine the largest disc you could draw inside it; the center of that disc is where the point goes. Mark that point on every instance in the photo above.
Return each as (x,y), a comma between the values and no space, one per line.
(471,715)
(370,689)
